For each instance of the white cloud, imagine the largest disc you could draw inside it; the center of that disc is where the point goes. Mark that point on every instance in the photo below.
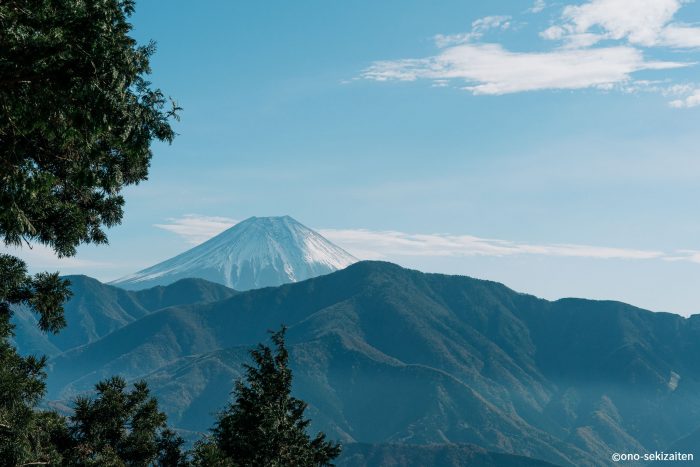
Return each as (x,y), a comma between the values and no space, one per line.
(386,244)
(580,60)
(40,257)
(691,100)
(479,28)
(573,40)
(490,69)
(538,6)
(646,23)
(681,36)
(685,255)
(368,244)
(445,40)
(196,229)
(678,89)
(482,25)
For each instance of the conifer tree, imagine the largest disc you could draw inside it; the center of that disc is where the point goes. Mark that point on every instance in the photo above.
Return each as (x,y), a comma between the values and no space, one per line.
(265,425)
(120,428)
(24,433)
(77,118)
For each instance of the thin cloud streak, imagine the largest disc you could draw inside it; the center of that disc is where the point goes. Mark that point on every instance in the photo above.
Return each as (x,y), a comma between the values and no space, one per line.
(39,257)
(479,28)
(381,244)
(537,7)
(196,229)
(373,244)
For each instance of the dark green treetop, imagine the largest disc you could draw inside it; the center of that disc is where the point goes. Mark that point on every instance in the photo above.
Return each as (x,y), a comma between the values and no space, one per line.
(77,118)
(23,432)
(265,425)
(120,428)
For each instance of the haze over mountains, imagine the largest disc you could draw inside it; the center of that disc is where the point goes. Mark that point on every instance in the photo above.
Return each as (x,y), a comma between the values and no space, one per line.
(388,355)
(96,310)
(412,367)
(257,252)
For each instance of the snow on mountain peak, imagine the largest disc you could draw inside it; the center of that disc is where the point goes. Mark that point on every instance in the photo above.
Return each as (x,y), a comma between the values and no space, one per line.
(257,252)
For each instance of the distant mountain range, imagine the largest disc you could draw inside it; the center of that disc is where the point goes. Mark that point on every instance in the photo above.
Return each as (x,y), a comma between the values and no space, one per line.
(97,309)
(405,368)
(258,252)
(392,357)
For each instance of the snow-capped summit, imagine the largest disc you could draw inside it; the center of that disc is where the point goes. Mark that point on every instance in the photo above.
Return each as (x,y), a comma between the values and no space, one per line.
(258,252)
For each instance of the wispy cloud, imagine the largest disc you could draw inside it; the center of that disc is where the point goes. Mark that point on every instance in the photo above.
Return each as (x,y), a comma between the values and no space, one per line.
(691,100)
(196,229)
(538,6)
(490,69)
(685,255)
(479,28)
(577,61)
(40,257)
(388,244)
(370,244)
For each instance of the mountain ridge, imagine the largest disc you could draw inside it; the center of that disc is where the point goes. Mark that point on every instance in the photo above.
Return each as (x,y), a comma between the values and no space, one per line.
(96,309)
(385,354)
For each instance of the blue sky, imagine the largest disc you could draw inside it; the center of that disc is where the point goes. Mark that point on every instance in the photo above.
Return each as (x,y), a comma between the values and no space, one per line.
(552,146)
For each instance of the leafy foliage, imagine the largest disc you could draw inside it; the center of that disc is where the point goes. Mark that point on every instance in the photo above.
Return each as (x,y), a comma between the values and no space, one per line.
(206,453)
(77,121)
(119,428)
(23,431)
(266,425)
(44,293)
(77,118)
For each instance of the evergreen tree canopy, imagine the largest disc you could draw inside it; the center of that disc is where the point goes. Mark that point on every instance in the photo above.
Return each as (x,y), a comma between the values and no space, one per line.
(77,119)
(121,428)
(265,425)
(23,432)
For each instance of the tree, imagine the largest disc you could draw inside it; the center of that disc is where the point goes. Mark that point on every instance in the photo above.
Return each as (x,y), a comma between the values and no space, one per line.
(77,118)
(265,425)
(24,433)
(206,453)
(120,428)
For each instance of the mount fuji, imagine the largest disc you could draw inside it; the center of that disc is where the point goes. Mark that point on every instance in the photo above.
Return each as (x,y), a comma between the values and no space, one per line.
(257,252)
